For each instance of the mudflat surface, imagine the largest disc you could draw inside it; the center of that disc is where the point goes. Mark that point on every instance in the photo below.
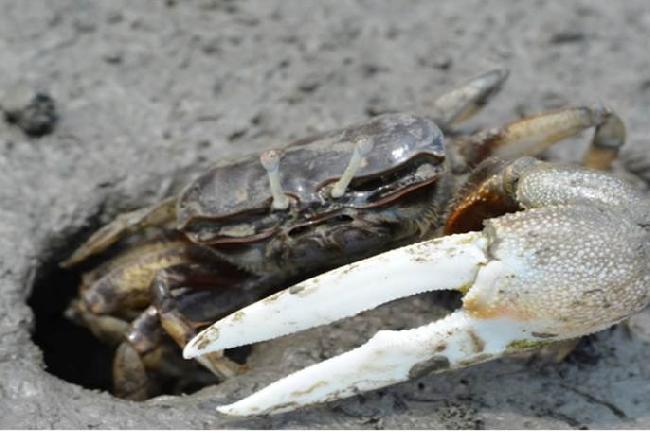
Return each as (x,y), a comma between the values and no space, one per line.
(147,92)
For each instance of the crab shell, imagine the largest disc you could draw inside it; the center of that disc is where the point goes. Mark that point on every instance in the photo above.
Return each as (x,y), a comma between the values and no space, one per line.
(229,206)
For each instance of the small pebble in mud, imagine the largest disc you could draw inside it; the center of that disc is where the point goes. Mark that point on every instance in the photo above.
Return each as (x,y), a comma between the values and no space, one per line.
(33,112)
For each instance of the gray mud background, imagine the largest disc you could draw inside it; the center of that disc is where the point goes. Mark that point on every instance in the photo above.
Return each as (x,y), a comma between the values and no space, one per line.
(146,89)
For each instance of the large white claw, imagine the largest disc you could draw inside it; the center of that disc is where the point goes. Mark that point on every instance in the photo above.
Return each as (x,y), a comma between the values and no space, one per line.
(389,357)
(447,263)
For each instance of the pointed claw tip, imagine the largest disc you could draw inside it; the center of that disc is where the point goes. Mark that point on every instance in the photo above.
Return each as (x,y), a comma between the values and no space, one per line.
(233,411)
(224,409)
(190,352)
(193,349)
(204,342)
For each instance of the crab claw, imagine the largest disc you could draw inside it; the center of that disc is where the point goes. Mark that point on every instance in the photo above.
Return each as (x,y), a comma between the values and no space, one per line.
(530,278)
(389,357)
(448,263)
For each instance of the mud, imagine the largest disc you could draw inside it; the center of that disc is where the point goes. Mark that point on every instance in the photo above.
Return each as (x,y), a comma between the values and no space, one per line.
(148,93)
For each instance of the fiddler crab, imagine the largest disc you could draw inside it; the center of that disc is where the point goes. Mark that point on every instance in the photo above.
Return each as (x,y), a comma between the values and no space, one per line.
(339,223)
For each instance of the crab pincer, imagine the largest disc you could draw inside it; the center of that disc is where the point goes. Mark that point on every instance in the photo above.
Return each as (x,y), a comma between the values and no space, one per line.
(572,261)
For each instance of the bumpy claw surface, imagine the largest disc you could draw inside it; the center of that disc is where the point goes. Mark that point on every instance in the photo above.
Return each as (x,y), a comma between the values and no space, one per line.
(572,262)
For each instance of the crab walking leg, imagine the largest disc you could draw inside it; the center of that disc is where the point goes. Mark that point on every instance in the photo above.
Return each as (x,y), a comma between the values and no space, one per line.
(462,103)
(457,340)
(450,262)
(530,136)
(608,139)
(160,214)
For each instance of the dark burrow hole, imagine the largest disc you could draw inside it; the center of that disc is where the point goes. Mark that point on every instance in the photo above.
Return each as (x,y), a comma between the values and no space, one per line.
(72,353)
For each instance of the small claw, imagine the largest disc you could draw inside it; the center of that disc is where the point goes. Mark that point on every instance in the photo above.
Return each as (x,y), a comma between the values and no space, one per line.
(389,357)
(448,263)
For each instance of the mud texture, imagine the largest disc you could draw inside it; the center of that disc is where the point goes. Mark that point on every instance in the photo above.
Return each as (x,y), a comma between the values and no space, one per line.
(148,92)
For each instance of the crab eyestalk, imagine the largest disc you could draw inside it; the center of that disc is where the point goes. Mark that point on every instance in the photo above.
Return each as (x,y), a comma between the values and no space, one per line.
(361,149)
(271,162)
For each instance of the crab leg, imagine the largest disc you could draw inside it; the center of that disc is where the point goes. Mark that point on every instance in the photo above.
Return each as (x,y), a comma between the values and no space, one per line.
(608,140)
(448,263)
(390,356)
(532,135)
(465,101)
(160,214)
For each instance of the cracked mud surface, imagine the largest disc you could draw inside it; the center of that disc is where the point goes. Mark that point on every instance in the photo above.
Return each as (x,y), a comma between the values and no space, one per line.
(165,87)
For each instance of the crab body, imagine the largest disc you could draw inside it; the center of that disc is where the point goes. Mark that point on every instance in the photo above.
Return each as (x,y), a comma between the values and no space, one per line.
(219,244)
(400,188)
(252,226)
